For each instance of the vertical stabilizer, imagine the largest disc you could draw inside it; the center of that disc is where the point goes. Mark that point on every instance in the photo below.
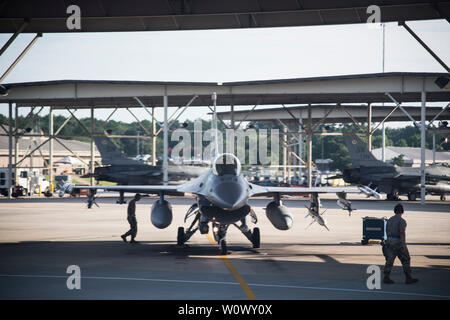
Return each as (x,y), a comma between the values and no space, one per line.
(359,153)
(110,152)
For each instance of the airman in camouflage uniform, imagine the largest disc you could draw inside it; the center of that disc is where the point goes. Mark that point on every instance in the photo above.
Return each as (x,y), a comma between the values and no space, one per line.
(131,217)
(395,246)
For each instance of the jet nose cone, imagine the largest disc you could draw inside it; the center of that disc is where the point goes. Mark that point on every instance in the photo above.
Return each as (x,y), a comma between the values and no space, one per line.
(230,195)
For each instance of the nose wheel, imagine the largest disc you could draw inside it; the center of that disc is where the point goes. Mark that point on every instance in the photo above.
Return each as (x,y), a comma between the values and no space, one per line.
(256,238)
(181,236)
(223,247)
(220,231)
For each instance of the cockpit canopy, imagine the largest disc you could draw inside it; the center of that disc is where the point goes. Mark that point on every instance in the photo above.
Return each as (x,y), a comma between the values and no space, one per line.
(226,163)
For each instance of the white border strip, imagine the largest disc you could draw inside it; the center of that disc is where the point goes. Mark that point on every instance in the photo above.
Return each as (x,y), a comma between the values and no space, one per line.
(234,284)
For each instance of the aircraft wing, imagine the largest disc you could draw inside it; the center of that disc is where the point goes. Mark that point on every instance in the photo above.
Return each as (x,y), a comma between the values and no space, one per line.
(192,186)
(298,190)
(150,189)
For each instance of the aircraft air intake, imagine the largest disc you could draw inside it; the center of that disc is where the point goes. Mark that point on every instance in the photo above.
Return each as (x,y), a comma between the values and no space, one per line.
(229,194)
(352,175)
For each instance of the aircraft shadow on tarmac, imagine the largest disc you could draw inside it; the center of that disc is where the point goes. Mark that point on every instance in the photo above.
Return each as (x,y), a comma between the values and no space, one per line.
(154,249)
(117,249)
(156,259)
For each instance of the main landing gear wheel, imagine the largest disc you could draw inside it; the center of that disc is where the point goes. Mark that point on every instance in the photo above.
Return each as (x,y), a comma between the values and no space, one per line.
(256,238)
(180,236)
(223,247)
(48,193)
(392,197)
(412,196)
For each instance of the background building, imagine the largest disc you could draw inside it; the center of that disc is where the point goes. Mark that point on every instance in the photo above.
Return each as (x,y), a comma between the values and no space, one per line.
(40,158)
(411,156)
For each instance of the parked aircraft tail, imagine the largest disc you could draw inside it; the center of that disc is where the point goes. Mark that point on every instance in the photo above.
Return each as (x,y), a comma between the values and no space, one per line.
(359,153)
(110,152)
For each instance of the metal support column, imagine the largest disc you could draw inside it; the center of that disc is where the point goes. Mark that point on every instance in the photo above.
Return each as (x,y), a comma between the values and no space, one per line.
(422,145)
(296,150)
(166,141)
(10,124)
(232,115)
(138,152)
(153,137)
(289,163)
(16,140)
(434,148)
(92,168)
(309,147)
(214,125)
(369,127)
(50,151)
(285,154)
(300,145)
(383,141)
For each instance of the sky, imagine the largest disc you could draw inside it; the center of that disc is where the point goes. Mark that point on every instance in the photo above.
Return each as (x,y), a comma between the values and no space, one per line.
(225,55)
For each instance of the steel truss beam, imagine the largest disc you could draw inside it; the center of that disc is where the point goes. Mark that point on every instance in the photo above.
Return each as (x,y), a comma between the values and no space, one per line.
(423,44)
(14,36)
(430,124)
(403,109)
(12,66)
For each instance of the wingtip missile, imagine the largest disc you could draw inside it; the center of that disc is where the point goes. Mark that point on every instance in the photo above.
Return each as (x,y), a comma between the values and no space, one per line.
(317,217)
(65,188)
(369,192)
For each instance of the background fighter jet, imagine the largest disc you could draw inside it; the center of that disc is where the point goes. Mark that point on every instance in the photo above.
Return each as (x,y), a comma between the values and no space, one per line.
(222,196)
(390,179)
(117,167)
(125,171)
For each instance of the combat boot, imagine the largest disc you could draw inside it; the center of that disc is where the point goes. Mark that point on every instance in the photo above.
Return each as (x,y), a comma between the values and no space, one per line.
(387,279)
(409,279)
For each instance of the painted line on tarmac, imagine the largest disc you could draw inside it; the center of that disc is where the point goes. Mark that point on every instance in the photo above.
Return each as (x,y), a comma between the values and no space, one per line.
(351,290)
(248,292)
(120,278)
(232,284)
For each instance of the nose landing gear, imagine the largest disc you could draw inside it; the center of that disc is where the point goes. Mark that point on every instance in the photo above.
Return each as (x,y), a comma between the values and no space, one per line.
(219,230)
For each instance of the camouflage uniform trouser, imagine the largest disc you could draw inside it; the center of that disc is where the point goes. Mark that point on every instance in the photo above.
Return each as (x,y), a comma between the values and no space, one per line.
(133,228)
(393,249)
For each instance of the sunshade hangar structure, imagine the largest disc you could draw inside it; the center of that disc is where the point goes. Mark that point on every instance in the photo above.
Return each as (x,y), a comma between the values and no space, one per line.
(157,15)
(92,95)
(25,16)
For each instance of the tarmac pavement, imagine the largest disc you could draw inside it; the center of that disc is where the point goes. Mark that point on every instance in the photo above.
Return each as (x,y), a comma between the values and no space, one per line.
(41,238)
